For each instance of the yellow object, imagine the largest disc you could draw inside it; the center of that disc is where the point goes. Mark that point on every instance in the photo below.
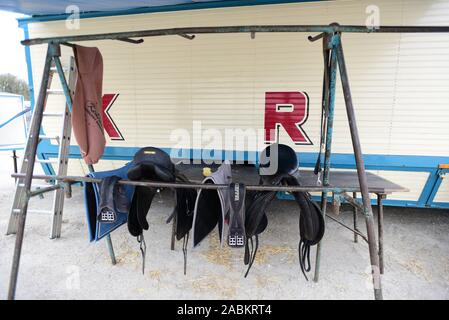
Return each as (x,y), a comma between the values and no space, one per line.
(444,166)
(207,171)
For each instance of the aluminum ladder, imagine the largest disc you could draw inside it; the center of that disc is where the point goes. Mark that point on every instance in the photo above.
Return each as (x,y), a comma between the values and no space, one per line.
(24,184)
(61,161)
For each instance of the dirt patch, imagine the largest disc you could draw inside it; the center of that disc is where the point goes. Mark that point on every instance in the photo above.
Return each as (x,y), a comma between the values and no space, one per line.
(265,252)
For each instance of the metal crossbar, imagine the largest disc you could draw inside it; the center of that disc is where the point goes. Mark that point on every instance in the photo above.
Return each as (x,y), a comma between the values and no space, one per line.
(251,29)
(176,185)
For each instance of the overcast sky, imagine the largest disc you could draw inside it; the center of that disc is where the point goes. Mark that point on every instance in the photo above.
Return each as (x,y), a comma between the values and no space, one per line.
(12,53)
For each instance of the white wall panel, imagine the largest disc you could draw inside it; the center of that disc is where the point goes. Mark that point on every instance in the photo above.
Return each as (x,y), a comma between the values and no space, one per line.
(443,192)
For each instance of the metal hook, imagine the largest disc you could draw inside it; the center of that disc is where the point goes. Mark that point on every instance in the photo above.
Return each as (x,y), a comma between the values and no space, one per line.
(315,38)
(187,36)
(138,41)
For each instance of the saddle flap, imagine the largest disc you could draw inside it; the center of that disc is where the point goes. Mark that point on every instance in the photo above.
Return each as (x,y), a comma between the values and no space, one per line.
(185,205)
(212,206)
(311,220)
(107,207)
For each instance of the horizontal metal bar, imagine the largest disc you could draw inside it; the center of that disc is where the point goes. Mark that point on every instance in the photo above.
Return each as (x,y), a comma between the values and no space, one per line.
(72,179)
(236,29)
(44,190)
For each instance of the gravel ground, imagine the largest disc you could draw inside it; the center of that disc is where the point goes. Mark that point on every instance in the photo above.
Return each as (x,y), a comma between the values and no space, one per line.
(416,258)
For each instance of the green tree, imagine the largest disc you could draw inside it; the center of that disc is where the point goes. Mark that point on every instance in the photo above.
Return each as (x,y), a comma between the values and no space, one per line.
(12,84)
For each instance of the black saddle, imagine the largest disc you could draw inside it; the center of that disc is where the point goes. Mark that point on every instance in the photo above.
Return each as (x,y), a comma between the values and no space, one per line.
(153,164)
(279,166)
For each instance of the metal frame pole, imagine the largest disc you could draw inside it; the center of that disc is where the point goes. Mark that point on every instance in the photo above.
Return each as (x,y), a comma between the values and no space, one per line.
(14,159)
(108,237)
(30,157)
(173,232)
(380,222)
(64,145)
(354,214)
(329,132)
(111,249)
(368,212)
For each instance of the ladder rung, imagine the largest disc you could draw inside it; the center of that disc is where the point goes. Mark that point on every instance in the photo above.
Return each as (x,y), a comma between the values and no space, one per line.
(47,160)
(49,114)
(34,211)
(54,69)
(40,211)
(52,91)
(49,137)
(36,186)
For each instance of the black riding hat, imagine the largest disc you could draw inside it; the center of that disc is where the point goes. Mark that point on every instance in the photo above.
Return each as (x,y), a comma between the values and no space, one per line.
(278,159)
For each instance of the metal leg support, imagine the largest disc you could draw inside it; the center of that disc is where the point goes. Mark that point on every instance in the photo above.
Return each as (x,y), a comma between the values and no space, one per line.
(380,224)
(108,237)
(14,159)
(111,249)
(329,131)
(29,161)
(173,233)
(316,276)
(354,213)
(374,257)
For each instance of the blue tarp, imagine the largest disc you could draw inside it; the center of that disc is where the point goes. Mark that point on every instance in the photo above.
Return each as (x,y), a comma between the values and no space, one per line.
(54,7)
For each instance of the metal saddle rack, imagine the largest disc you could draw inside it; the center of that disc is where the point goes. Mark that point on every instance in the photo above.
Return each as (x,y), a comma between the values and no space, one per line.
(331,36)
